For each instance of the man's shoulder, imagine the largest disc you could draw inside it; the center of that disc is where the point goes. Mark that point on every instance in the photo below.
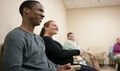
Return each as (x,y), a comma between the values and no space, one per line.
(67,42)
(15,32)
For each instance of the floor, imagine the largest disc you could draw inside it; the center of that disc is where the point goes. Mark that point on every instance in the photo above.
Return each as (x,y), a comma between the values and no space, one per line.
(108,68)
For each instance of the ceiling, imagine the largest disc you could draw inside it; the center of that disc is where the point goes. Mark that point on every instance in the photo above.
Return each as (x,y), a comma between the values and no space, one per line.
(71,4)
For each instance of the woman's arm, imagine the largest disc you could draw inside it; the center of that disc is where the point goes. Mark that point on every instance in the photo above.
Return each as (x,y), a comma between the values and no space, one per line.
(57,50)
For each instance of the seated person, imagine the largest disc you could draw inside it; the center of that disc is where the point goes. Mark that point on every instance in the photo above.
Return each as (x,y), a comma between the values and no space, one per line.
(55,51)
(116,49)
(71,43)
(25,51)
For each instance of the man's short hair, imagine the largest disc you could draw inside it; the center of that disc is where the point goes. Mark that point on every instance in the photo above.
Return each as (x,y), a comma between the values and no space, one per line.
(69,33)
(117,38)
(27,4)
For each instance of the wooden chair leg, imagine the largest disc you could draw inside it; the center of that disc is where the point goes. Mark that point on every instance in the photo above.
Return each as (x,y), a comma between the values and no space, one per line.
(116,66)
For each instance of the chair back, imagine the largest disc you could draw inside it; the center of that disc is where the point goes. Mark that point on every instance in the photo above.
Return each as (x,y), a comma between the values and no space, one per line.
(1,51)
(111,49)
(111,54)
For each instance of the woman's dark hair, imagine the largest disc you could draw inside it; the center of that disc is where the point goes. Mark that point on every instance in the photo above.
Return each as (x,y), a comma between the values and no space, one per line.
(27,4)
(46,24)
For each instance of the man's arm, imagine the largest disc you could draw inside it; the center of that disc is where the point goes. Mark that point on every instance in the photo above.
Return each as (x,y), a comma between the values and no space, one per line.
(13,54)
(70,45)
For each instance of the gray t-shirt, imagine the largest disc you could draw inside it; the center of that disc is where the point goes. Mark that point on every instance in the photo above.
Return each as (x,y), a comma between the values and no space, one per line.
(24,51)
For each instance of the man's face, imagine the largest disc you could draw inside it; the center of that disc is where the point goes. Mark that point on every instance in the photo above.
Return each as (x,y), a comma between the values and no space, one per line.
(36,14)
(118,40)
(71,37)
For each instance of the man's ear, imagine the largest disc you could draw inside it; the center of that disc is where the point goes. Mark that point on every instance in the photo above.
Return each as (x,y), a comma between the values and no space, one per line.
(26,10)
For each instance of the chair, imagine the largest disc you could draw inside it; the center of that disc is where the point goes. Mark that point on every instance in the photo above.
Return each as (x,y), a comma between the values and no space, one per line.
(101,57)
(77,59)
(113,58)
(76,67)
(1,50)
(111,55)
(100,54)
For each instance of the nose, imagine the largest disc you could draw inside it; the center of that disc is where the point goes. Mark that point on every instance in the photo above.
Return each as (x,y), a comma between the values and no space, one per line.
(42,15)
(57,28)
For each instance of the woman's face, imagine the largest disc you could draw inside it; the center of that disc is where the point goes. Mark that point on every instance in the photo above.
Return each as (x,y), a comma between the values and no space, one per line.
(52,28)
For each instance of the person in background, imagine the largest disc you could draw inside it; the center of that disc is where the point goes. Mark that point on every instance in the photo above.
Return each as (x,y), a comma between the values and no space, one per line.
(71,43)
(55,51)
(23,49)
(116,49)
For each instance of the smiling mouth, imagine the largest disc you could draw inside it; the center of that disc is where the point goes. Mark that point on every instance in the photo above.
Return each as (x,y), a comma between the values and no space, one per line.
(40,20)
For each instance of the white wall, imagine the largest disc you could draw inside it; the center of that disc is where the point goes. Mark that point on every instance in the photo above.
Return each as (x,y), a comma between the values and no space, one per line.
(96,28)
(10,17)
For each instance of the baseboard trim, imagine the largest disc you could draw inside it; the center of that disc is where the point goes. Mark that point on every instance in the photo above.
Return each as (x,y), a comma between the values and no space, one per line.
(106,64)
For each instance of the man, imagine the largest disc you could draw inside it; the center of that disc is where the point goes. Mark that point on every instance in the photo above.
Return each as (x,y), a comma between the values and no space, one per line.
(71,44)
(116,49)
(24,50)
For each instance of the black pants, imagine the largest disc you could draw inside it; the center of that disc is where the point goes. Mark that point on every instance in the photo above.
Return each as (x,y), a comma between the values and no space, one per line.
(85,68)
(118,66)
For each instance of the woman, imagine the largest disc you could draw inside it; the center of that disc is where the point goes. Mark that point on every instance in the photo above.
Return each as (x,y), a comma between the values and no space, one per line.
(55,51)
